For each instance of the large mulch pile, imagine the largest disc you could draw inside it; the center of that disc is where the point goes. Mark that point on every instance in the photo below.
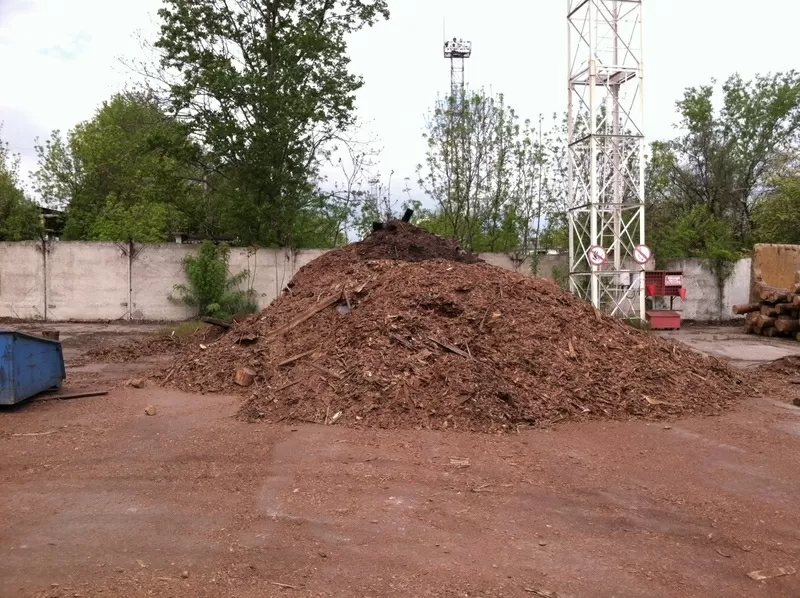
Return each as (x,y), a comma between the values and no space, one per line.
(375,334)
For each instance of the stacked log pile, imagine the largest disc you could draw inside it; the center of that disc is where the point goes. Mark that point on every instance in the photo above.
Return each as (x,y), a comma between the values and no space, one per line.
(776,314)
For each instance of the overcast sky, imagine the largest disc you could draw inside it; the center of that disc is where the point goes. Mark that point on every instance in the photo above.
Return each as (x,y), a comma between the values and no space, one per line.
(59,59)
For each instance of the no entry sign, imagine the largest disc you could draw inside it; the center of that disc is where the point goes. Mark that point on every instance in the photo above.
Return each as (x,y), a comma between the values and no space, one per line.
(596,255)
(642,254)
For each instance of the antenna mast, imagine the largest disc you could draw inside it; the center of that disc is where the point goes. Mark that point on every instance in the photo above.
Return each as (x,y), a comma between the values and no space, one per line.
(605,123)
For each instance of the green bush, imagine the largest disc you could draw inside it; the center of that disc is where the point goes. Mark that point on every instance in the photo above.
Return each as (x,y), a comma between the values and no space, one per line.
(561,277)
(211,289)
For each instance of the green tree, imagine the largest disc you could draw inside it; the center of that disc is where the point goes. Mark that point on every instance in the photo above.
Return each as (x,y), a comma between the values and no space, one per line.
(498,185)
(468,167)
(125,174)
(777,216)
(717,172)
(265,85)
(20,219)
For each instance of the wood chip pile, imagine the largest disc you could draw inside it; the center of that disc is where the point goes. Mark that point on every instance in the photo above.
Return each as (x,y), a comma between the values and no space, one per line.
(776,314)
(407,330)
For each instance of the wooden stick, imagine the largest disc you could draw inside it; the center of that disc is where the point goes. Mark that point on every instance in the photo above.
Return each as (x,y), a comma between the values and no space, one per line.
(306,316)
(73,395)
(284,585)
(401,340)
(287,385)
(450,348)
(483,319)
(326,371)
(294,358)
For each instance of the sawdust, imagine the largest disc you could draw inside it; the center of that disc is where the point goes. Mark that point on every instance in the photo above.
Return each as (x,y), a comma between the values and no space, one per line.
(446,343)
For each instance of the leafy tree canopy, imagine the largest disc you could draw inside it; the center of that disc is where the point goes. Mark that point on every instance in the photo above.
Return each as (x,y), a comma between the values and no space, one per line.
(264,85)
(20,219)
(713,190)
(125,174)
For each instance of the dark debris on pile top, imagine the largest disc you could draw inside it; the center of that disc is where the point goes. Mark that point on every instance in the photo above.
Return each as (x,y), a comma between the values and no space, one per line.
(407,330)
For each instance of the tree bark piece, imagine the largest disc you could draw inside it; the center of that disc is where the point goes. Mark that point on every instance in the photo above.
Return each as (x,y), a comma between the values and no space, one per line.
(244,376)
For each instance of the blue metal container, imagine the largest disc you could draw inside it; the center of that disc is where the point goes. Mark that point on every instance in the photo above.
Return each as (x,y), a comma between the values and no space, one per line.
(28,365)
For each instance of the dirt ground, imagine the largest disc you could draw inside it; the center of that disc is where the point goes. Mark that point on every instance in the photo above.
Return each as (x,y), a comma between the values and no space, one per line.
(99,499)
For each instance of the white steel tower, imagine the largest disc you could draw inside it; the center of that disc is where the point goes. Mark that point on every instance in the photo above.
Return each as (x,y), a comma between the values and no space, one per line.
(606,154)
(457,51)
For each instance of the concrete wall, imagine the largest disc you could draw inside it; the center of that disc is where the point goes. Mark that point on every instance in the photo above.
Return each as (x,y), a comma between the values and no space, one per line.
(549,265)
(87,281)
(22,290)
(704,302)
(117,281)
(155,270)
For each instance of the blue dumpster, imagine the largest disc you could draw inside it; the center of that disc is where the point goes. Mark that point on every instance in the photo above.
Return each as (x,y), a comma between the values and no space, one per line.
(28,365)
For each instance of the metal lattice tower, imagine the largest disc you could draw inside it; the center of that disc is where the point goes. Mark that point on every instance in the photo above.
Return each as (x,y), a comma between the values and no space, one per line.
(457,51)
(606,153)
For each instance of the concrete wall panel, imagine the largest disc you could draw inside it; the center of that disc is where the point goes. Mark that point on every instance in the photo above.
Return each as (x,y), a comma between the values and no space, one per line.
(87,281)
(155,270)
(260,266)
(22,281)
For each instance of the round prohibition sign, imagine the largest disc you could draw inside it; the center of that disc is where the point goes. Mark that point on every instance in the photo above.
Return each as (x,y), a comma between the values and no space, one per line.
(642,254)
(596,255)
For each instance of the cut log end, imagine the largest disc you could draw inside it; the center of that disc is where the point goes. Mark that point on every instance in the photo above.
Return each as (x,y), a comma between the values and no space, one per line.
(244,376)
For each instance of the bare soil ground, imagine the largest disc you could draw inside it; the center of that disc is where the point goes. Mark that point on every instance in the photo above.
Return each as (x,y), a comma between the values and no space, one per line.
(100,499)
